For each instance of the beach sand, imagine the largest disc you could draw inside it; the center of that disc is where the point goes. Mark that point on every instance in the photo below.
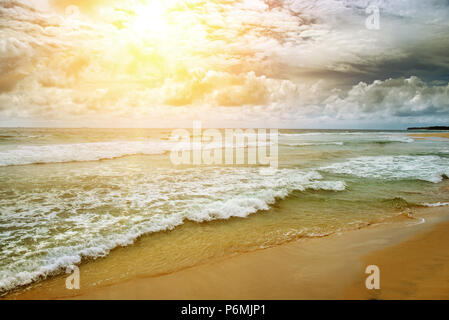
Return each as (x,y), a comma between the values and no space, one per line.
(415,269)
(411,253)
(444,135)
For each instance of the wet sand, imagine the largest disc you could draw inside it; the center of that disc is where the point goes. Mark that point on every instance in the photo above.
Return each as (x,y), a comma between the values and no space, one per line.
(411,253)
(444,135)
(415,269)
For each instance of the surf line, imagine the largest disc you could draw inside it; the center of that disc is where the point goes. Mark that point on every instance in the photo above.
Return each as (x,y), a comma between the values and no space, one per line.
(192,310)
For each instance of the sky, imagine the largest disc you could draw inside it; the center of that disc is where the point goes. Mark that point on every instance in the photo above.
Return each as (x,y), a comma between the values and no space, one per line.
(248,63)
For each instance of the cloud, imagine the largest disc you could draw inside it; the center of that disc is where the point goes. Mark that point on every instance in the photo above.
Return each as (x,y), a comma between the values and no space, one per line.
(410,97)
(251,59)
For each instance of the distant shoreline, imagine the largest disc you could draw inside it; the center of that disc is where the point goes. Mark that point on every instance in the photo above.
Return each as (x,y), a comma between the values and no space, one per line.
(438,128)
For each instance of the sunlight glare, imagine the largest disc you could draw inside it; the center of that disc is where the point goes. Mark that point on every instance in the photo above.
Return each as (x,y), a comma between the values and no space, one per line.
(150,20)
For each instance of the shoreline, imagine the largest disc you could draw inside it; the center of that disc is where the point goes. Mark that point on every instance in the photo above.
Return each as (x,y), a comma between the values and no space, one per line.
(331,267)
(427,135)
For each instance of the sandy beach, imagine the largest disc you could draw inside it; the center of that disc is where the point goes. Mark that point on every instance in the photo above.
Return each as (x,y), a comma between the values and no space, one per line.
(410,252)
(424,135)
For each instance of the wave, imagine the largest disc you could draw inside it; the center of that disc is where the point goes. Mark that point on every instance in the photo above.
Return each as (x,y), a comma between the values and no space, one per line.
(340,139)
(361,133)
(307,144)
(69,231)
(95,151)
(26,154)
(425,168)
(301,134)
(398,203)
(392,139)
(437,204)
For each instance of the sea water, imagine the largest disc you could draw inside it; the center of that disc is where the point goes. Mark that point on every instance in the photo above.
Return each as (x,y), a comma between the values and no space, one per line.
(69,196)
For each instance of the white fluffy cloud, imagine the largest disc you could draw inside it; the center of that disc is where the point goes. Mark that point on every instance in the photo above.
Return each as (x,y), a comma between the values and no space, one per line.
(410,97)
(251,61)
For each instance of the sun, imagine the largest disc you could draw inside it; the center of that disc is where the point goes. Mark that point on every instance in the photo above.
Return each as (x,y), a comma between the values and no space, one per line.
(150,21)
(158,35)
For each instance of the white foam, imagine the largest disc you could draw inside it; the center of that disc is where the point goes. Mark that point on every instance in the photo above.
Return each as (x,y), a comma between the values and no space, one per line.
(57,153)
(399,138)
(307,144)
(340,138)
(27,154)
(55,227)
(437,204)
(300,134)
(426,168)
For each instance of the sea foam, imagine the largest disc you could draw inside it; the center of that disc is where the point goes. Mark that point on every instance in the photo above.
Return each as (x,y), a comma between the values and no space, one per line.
(437,204)
(77,152)
(426,168)
(52,227)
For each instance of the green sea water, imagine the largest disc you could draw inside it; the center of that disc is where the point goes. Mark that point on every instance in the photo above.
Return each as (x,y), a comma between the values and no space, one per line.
(68,196)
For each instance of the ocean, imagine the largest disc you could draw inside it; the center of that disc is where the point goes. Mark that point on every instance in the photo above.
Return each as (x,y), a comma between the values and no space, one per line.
(70,196)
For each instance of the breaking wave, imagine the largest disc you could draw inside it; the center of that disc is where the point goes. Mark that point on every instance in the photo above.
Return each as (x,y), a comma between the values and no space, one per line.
(426,168)
(70,224)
